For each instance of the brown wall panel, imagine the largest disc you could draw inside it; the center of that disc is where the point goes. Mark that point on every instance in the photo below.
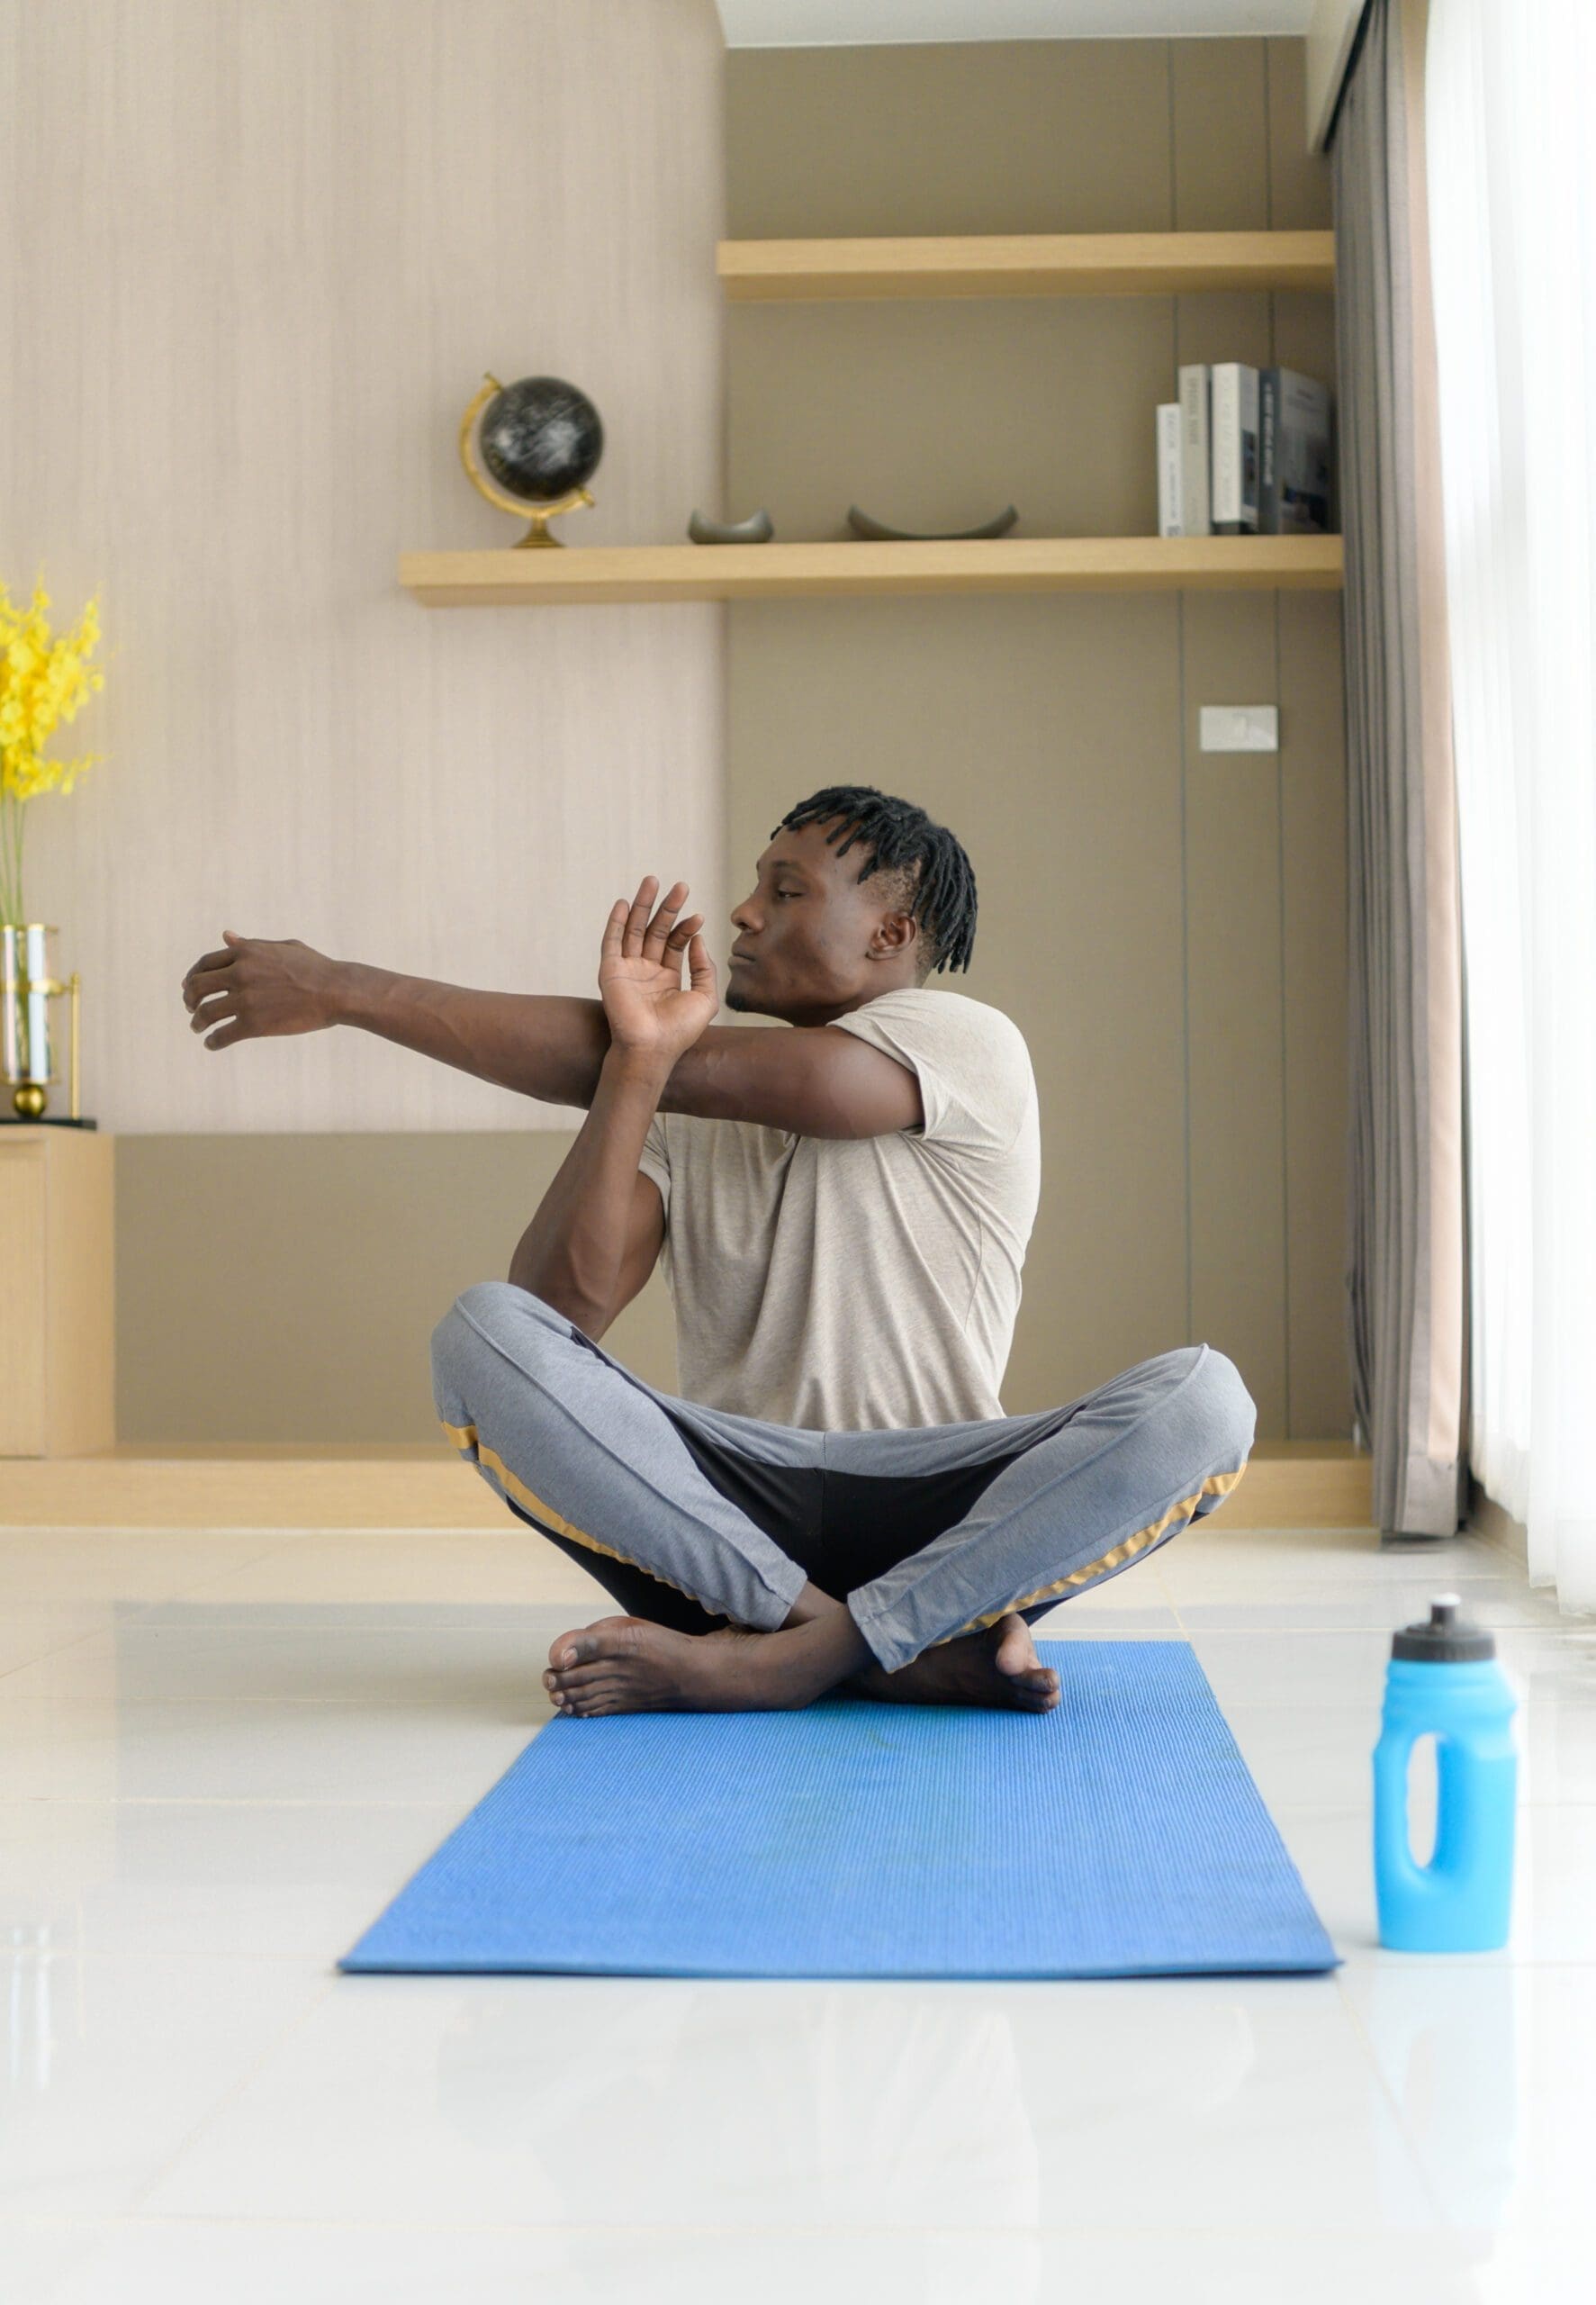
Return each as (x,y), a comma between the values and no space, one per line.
(1136,894)
(284,1288)
(1219,131)
(1299,179)
(938,414)
(1313,807)
(1010,136)
(1233,943)
(1046,731)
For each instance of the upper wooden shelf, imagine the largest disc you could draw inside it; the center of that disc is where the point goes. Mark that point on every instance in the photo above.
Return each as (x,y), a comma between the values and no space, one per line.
(1025,264)
(755,572)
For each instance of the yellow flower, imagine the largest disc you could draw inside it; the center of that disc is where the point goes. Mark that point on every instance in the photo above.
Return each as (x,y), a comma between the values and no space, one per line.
(44,681)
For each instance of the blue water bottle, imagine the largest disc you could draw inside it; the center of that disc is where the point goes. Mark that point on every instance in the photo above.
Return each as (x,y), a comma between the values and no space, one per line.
(1443,1681)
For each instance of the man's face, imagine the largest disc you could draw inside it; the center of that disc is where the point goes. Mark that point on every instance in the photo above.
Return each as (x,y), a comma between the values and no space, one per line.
(814,940)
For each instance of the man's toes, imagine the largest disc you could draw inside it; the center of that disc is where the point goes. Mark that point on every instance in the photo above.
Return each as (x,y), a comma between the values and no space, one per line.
(601,1669)
(1033,1684)
(592,1642)
(570,1702)
(597,1698)
(578,1647)
(1030,1698)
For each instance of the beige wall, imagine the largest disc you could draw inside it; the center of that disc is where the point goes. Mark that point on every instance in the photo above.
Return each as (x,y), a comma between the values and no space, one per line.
(255,258)
(1168,926)
(284,1288)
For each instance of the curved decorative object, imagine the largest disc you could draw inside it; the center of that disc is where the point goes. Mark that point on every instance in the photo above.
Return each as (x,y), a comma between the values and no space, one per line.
(757,529)
(876,531)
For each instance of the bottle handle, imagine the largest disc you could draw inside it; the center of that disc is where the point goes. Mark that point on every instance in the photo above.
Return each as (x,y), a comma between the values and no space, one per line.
(1393,1850)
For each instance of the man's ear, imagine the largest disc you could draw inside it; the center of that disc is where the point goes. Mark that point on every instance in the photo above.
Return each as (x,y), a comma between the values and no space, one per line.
(895,933)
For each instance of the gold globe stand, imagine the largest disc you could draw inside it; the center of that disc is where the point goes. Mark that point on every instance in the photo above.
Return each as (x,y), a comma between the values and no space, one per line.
(537,534)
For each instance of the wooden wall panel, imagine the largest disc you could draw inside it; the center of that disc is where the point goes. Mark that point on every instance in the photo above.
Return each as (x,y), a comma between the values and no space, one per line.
(258,255)
(1059,734)
(1047,733)
(284,1288)
(1136,895)
(1312,757)
(935,415)
(994,136)
(1220,129)
(1233,943)
(1299,179)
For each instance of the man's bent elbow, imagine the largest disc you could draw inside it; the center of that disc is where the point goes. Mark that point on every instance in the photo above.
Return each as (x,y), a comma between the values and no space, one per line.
(562,1295)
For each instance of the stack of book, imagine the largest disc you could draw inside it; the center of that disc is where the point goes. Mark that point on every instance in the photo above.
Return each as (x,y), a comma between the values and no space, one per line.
(1244,452)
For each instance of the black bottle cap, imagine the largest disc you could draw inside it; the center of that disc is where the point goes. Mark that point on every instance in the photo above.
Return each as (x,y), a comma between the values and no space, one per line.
(1449,1639)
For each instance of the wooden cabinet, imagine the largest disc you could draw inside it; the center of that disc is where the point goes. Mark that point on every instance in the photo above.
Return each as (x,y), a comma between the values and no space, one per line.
(57,1292)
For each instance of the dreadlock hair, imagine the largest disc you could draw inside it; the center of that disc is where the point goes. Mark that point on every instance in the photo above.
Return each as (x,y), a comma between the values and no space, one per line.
(938,878)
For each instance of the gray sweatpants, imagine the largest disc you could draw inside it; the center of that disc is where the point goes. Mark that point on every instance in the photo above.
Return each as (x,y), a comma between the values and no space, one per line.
(691,1516)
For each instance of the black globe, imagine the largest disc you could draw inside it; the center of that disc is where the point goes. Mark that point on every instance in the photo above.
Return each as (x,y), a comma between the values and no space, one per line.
(541,438)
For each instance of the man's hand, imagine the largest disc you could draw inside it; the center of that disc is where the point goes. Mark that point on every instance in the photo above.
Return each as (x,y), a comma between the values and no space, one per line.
(650,1013)
(259,985)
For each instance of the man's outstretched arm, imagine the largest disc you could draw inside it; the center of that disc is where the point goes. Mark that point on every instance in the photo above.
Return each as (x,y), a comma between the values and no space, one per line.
(809,1080)
(805,1080)
(542,1044)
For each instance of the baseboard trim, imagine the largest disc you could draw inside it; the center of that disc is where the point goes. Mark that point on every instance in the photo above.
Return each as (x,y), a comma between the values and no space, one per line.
(1496,1524)
(261,1490)
(1303,1485)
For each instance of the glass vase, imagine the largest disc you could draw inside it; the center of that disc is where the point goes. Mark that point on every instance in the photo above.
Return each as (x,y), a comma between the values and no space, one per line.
(28,983)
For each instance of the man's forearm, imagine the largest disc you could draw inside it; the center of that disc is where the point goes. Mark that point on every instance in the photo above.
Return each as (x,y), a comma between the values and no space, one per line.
(571,1253)
(540,1044)
(806,1080)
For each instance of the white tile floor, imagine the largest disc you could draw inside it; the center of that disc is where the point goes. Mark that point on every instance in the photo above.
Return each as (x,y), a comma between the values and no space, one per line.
(219,1756)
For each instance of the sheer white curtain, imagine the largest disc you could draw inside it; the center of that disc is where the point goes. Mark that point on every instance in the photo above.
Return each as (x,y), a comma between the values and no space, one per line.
(1511,173)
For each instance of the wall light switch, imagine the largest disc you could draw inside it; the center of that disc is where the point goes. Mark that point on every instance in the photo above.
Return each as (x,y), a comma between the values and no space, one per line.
(1238,728)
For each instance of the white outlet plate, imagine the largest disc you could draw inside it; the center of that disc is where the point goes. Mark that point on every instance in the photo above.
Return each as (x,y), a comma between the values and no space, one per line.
(1238,728)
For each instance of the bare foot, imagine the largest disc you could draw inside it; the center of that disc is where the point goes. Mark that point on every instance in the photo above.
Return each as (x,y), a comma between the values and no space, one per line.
(628,1665)
(998,1667)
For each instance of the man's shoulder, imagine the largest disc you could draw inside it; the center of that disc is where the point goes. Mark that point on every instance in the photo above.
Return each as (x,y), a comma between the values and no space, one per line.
(934,1003)
(937,1014)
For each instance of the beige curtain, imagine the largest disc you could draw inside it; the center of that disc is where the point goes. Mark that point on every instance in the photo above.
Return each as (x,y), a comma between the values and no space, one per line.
(1407,1276)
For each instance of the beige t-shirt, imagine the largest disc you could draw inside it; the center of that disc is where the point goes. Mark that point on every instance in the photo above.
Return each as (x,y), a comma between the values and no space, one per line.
(859,1284)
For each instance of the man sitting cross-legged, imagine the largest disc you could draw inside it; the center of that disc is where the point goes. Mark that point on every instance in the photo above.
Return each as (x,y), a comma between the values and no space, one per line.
(843,1210)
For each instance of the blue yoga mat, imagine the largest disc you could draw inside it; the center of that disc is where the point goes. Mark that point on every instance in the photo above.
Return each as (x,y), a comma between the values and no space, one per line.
(1119,1835)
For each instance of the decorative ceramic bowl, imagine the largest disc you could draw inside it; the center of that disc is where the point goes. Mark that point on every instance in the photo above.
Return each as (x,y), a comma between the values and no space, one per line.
(755,529)
(878,532)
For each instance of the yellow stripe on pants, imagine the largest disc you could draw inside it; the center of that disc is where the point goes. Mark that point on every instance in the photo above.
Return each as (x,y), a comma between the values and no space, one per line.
(1216,1485)
(478,1452)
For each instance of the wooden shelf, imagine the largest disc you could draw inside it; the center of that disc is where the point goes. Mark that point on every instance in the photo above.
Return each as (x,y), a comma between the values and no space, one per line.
(1029,264)
(756,572)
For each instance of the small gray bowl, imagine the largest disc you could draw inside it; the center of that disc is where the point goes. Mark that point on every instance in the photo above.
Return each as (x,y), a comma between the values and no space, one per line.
(755,529)
(877,532)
